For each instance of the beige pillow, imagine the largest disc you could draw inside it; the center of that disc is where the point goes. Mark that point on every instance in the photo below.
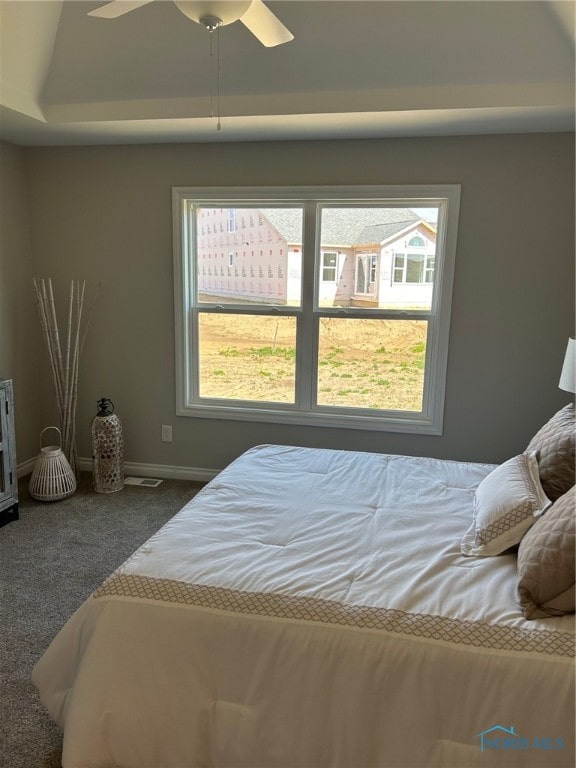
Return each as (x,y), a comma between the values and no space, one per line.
(546,567)
(555,443)
(506,503)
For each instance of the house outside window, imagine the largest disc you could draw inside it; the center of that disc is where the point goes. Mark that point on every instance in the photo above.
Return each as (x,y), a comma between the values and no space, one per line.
(265,342)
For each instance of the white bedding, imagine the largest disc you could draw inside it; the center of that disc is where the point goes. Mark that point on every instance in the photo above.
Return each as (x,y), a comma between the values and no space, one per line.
(312,608)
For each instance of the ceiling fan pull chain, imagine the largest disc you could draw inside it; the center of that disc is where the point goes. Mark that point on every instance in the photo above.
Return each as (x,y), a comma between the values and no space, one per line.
(211,76)
(218,124)
(215,75)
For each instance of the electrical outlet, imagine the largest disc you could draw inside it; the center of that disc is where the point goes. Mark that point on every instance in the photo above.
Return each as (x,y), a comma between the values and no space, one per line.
(166,433)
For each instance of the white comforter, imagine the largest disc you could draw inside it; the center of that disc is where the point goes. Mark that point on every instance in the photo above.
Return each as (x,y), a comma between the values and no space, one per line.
(312,608)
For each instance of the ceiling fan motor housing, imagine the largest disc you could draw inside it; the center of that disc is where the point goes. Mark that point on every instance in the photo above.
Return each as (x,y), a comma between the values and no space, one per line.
(222,11)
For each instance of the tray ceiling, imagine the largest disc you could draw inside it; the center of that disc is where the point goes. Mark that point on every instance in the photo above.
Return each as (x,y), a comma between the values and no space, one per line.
(354,69)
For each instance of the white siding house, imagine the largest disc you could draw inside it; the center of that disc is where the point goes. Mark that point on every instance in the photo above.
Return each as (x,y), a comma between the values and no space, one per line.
(406,267)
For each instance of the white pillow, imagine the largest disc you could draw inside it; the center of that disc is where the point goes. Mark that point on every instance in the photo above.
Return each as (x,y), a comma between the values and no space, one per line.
(506,504)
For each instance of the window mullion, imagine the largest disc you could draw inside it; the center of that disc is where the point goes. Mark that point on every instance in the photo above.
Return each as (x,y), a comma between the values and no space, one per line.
(192,316)
(194,356)
(306,363)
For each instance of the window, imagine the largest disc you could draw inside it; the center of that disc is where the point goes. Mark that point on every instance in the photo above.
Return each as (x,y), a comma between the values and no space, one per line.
(429,269)
(415,266)
(366,273)
(263,342)
(399,268)
(329,266)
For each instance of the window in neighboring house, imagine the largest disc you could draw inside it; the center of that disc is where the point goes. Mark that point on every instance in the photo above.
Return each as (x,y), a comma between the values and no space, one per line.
(329,266)
(366,273)
(399,265)
(429,269)
(413,267)
(269,350)
(361,274)
(373,265)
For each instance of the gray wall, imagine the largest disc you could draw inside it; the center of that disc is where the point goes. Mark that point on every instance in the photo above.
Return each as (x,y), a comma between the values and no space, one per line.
(104,214)
(18,328)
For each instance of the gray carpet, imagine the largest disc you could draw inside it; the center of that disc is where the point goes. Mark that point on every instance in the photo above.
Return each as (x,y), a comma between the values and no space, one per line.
(50,561)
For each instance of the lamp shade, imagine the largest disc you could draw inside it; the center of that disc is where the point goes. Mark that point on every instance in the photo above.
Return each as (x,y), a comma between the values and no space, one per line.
(568,375)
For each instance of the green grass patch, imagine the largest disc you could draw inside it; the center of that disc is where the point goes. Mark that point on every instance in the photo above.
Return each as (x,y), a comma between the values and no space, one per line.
(287,353)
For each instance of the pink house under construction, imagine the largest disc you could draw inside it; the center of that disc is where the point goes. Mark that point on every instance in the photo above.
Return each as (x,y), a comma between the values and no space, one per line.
(369,256)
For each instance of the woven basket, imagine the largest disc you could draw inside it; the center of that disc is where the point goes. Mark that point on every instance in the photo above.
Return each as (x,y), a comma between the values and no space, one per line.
(52,478)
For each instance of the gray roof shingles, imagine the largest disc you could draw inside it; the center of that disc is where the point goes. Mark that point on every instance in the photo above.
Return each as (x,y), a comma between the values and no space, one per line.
(344,226)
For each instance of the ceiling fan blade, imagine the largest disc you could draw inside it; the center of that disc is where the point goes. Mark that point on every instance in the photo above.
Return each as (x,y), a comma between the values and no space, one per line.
(265,25)
(117,8)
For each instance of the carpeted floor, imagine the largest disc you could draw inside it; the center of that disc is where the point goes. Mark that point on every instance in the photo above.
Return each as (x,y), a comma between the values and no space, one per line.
(50,561)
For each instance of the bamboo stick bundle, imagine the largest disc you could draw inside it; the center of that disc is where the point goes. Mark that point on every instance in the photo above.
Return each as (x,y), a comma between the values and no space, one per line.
(64,365)
(42,301)
(69,378)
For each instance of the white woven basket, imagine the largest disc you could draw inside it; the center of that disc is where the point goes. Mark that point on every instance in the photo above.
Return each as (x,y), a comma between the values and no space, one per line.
(52,478)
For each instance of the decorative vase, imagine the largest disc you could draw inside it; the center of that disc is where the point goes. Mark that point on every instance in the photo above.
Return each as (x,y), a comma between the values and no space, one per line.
(108,449)
(52,477)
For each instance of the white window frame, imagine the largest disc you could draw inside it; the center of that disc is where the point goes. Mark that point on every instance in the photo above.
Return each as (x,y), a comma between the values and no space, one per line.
(304,411)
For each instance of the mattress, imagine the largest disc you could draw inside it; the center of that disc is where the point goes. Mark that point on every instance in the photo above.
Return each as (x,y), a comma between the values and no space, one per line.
(312,608)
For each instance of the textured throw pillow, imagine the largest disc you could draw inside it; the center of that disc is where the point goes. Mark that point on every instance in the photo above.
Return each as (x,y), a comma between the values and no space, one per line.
(555,443)
(546,562)
(506,503)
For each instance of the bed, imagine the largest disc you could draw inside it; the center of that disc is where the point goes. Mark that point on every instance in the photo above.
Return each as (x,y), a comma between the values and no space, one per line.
(313,608)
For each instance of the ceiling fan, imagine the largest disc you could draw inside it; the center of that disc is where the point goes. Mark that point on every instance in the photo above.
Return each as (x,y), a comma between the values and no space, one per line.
(259,19)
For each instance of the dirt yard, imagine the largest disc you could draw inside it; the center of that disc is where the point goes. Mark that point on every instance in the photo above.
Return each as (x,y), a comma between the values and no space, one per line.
(362,363)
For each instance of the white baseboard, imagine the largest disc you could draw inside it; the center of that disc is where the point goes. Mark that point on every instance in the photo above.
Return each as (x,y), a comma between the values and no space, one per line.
(163,471)
(26,467)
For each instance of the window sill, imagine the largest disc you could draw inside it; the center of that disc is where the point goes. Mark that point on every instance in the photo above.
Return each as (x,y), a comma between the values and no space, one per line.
(397,421)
